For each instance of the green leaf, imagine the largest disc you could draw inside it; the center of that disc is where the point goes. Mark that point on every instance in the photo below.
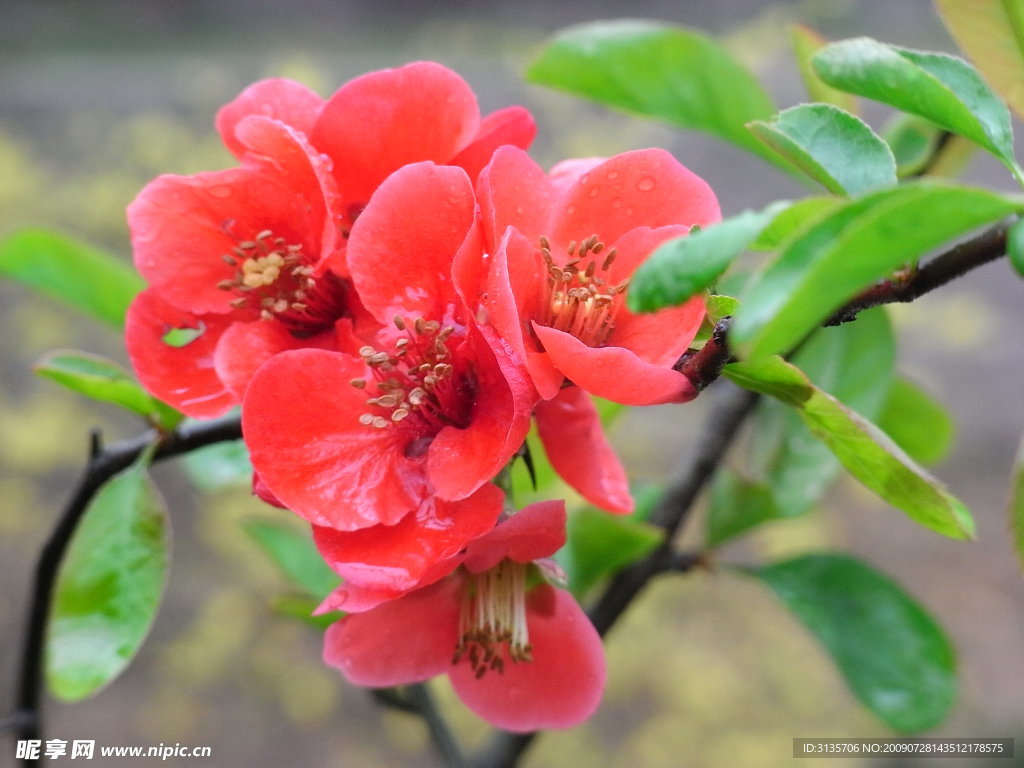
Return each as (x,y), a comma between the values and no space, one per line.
(109,585)
(655,70)
(792,221)
(847,250)
(896,660)
(863,449)
(917,423)
(913,141)
(854,362)
(680,268)
(806,42)
(221,465)
(77,274)
(737,505)
(1015,246)
(102,379)
(831,146)
(991,32)
(294,553)
(1016,505)
(598,544)
(942,88)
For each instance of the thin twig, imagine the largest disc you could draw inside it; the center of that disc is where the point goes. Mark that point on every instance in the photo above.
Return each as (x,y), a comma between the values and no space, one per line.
(102,465)
(441,736)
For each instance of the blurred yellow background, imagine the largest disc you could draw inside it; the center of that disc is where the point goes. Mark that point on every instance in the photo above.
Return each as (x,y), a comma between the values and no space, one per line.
(707,670)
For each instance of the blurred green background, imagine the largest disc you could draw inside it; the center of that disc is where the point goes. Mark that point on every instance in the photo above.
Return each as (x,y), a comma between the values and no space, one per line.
(706,670)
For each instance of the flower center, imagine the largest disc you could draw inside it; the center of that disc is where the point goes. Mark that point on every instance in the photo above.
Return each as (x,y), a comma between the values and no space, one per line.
(580,300)
(274,279)
(415,378)
(493,619)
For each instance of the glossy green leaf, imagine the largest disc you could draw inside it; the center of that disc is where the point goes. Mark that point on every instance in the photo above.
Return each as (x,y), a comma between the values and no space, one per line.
(598,544)
(896,660)
(221,465)
(792,221)
(806,42)
(946,90)
(917,423)
(293,552)
(77,274)
(1016,505)
(913,141)
(849,249)
(737,505)
(660,71)
(833,147)
(854,363)
(680,268)
(863,449)
(109,585)
(991,32)
(102,379)
(1015,246)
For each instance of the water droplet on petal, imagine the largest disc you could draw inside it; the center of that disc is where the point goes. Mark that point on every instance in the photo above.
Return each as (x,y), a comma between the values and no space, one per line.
(594,192)
(617,202)
(612,175)
(221,191)
(646,184)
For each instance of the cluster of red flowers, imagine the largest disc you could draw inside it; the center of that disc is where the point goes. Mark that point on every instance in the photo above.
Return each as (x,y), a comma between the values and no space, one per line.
(392,289)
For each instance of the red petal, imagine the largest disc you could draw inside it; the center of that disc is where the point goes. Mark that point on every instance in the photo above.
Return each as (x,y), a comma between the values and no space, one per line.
(510,126)
(402,556)
(535,531)
(516,286)
(182,376)
(460,460)
(381,121)
(563,684)
(284,100)
(244,347)
(281,149)
(403,641)
(183,226)
(402,246)
(570,428)
(301,423)
(647,187)
(514,191)
(614,373)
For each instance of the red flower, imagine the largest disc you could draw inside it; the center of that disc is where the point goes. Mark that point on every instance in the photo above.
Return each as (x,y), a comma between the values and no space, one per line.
(399,443)
(565,247)
(522,657)
(254,258)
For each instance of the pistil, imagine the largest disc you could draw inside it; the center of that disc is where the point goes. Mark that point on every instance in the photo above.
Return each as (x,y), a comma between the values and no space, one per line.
(492,623)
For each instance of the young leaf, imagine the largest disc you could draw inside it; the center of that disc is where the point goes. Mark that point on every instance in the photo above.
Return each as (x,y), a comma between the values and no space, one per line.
(847,250)
(831,146)
(942,88)
(806,42)
(897,661)
(867,453)
(913,141)
(917,423)
(854,362)
(737,505)
(294,553)
(1015,246)
(220,465)
(1016,505)
(681,268)
(668,73)
(599,544)
(991,32)
(69,271)
(102,379)
(109,585)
